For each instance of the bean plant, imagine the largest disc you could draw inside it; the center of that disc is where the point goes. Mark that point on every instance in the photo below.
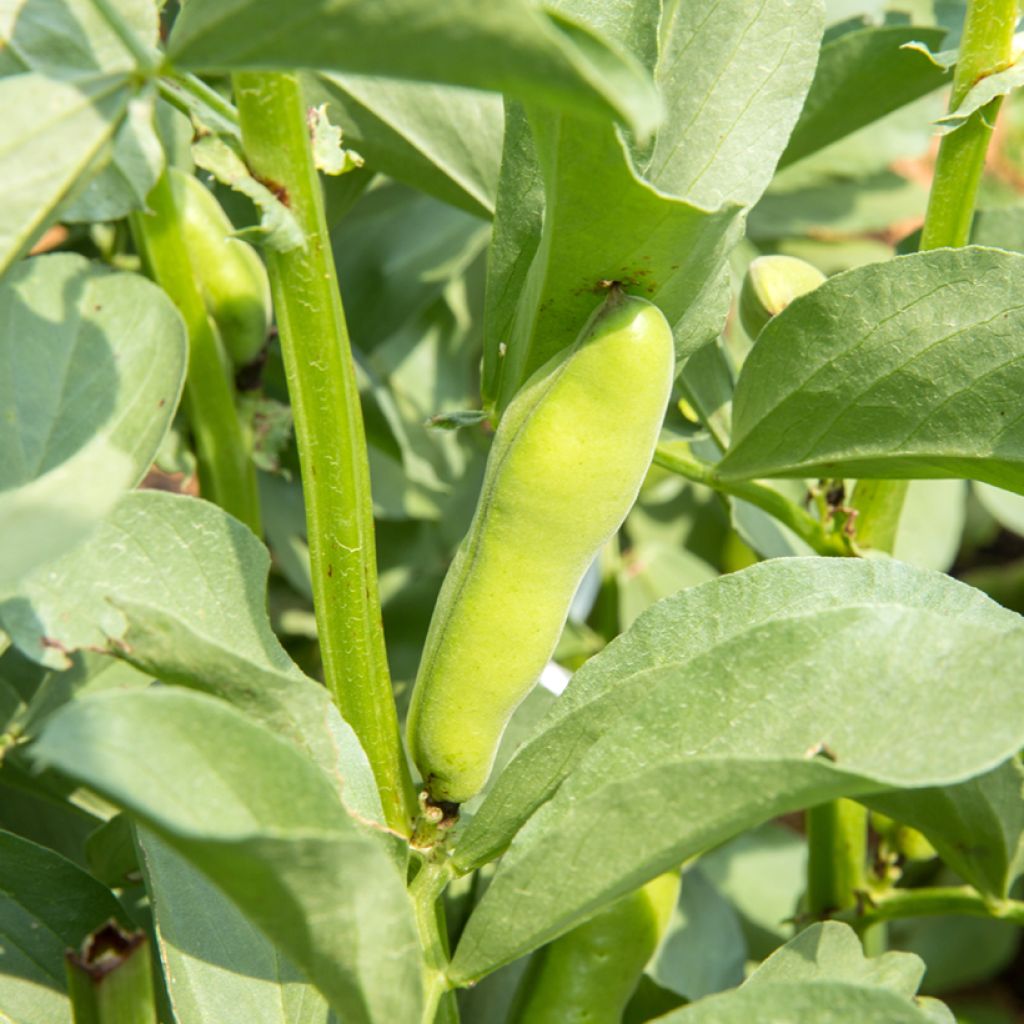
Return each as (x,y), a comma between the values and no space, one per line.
(363,363)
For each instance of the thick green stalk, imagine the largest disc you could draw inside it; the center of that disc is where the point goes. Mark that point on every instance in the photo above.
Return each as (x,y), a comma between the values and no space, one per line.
(986,47)
(227,475)
(111,980)
(426,890)
(804,525)
(836,843)
(329,431)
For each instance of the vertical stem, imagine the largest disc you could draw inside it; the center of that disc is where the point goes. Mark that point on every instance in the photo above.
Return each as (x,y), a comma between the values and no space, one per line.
(227,474)
(111,980)
(329,430)
(836,842)
(986,47)
(426,891)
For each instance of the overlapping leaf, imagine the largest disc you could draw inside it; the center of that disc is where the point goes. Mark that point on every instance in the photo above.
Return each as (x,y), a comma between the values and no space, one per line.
(95,363)
(908,368)
(261,821)
(511,46)
(579,206)
(47,905)
(725,706)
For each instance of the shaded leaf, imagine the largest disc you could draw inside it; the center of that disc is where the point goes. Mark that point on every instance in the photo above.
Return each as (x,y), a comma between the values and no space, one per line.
(218,966)
(46,906)
(95,366)
(508,46)
(862,76)
(264,824)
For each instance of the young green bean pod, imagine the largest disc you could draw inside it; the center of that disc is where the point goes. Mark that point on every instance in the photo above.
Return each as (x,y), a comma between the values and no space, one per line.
(770,285)
(233,279)
(565,467)
(589,974)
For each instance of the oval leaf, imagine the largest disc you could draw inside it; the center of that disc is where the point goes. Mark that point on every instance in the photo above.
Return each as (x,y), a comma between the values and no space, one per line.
(263,823)
(759,693)
(95,365)
(911,368)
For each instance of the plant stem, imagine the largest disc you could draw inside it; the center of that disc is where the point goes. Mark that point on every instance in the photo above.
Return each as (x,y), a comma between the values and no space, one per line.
(111,980)
(932,902)
(804,525)
(329,431)
(187,91)
(836,842)
(227,475)
(425,891)
(986,47)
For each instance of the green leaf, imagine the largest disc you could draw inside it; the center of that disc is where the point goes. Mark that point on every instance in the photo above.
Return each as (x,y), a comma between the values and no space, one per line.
(53,131)
(734,75)
(440,139)
(71,37)
(909,368)
(976,826)
(1007,509)
(832,952)
(508,46)
(982,93)
(733,702)
(862,76)
(263,824)
(278,229)
(703,950)
(177,587)
(218,966)
(46,905)
(584,206)
(821,977)
(932,523)
(95,365)
(136,160)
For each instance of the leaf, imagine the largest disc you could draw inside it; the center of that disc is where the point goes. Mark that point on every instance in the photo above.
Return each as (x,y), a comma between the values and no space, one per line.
(862,76)
(1007,509)
(328,153)
(820,977)
(507,46)
(136,160)
(830,1002)
(976,826)
(46,905)
(440,139)
(703,950)
(278,229)
(177,587)
(932,523)
(585,206)
(909,368)
(62,38)
(218,966)
(983,92)
(264,825)
(725,706)
(831,951)
(115,347)
(734,75)
(53,131)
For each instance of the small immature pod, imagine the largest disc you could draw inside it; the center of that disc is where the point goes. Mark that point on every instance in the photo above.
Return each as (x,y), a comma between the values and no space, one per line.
(590,973)
(770,285)
(565,467)
(234,281)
